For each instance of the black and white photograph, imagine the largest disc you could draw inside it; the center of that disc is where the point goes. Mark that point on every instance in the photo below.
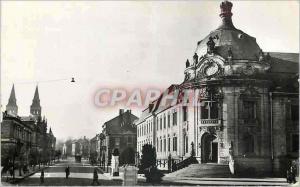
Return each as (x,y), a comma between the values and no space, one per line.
(149,93)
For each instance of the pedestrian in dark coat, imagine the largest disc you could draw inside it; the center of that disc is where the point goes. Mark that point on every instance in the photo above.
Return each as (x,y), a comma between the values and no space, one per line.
(42,176)
(95,177)
(67,170)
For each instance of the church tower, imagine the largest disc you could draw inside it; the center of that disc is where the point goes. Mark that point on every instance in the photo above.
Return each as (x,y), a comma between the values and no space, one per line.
(11,106)
(35,108)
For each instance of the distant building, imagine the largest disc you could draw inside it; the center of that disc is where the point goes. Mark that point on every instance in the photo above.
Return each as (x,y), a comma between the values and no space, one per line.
(247,114)
(118,133)
(24,139)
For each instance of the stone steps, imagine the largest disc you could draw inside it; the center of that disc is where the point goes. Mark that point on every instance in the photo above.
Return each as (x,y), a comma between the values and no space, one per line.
(202,170)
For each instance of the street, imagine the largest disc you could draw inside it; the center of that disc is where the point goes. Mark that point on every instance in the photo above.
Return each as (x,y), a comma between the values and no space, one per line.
(81,174)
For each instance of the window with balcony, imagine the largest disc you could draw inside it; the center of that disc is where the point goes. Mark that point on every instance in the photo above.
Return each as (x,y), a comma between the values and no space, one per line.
(295,112)
(209,110)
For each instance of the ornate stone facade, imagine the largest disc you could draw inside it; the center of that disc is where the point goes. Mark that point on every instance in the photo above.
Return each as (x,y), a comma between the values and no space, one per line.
(247,113)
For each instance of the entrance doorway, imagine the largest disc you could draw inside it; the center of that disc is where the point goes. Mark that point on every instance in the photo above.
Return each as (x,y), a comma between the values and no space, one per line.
(209,148)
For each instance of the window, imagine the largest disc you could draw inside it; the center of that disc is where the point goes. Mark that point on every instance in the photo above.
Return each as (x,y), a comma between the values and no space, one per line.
(174,143)
(187,144)
(164,121)
(175,118)
(295,143)
(249,110)
(209,110)
(129,140)
(117,141)
(169,143)
(295,112)
(184,112)
(160,123)
(157,144)
(164,144)
(156,124)
(161,145)
(168,120)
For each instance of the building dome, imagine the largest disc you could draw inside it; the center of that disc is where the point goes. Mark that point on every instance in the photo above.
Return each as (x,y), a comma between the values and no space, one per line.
(227,38)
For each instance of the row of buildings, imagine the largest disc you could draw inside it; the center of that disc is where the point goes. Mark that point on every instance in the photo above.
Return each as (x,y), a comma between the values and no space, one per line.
(118,134)
(247,115)
(25,140)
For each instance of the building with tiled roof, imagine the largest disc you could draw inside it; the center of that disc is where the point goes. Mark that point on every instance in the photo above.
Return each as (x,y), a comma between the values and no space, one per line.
(118,133)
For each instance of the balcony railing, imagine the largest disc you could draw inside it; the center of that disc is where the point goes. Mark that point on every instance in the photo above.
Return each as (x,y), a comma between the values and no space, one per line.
(210,122)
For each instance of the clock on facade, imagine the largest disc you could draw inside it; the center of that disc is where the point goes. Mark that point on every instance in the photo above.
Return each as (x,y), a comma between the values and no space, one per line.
(212,69)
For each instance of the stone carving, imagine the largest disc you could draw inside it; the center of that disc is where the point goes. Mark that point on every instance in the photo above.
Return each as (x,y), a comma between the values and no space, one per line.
(261,56)
(211,44)
(187,76)
(195,58)
(187,63)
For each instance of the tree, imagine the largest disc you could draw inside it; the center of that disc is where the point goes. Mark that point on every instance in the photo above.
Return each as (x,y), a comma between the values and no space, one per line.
(127,156)
(148,157)
(148,164)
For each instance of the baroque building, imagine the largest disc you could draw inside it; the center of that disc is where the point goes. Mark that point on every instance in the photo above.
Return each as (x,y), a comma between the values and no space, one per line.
(24,139)
(247,114)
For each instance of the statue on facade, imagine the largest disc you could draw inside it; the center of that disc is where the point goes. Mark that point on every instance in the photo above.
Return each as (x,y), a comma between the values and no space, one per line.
(261,55)
(187,63)
(210,45)
(195,58)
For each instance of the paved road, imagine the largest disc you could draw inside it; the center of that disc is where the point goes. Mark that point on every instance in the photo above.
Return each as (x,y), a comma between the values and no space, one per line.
(81,174)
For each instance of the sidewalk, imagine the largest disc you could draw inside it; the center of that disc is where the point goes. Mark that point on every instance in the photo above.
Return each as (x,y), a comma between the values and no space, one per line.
(18,177)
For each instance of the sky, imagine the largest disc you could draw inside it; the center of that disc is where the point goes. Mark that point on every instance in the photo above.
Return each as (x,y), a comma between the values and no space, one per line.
(116,44)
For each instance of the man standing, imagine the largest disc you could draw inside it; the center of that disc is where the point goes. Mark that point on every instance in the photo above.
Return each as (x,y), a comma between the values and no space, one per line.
(67,170)
(42,176)
(95,177)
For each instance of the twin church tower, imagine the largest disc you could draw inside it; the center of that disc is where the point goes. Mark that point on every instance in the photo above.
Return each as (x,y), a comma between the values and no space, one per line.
(35,108)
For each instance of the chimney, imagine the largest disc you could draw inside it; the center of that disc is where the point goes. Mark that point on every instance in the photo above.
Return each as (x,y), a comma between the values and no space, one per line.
(121,111)
(129,111)
(226,15)
(151,105)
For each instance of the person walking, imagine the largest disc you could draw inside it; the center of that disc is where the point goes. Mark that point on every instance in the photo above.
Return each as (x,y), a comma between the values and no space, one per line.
(95,177)
(42,176)
(67,170)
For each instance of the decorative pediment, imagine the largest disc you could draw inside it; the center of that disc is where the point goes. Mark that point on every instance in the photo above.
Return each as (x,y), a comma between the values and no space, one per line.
(210,67)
